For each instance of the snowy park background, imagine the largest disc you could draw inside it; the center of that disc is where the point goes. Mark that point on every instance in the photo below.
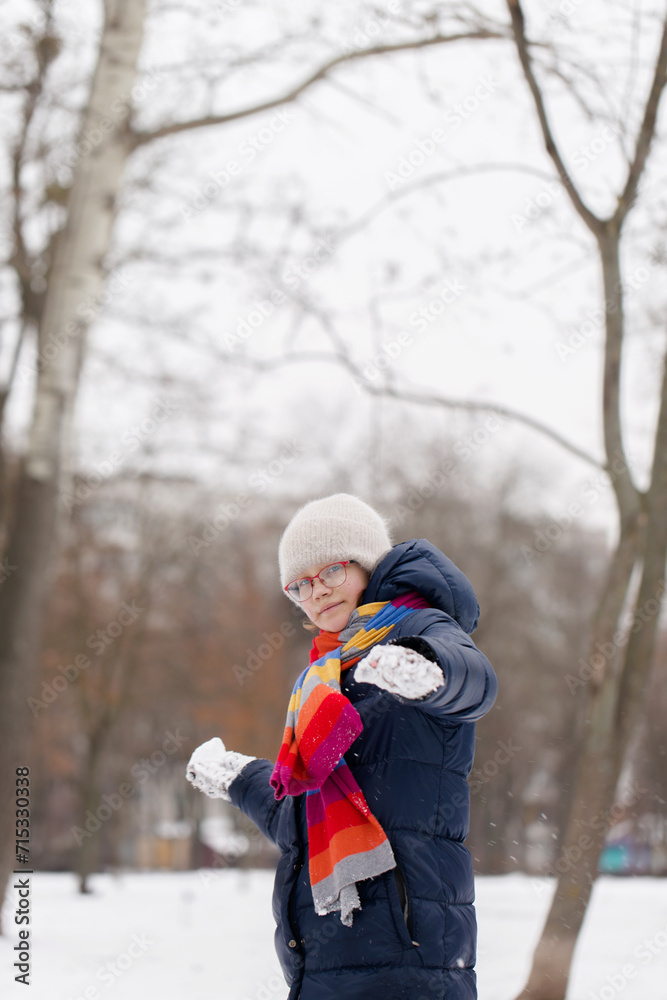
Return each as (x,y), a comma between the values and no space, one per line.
(209,936)
(297,249)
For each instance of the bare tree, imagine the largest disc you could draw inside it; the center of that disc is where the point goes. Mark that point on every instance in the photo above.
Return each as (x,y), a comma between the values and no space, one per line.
(624,626)
(615,691)
(72,267)
(58,282)
(104,692)
(75,254)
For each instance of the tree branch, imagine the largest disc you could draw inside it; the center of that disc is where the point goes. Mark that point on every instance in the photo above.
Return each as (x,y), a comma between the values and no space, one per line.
(45,50)
(646,134)
(6,388)
(607,234)
(408,395)
(444,175)
(141,138)
(518,25)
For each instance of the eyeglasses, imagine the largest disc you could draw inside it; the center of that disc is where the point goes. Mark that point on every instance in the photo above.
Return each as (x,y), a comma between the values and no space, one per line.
(331,576)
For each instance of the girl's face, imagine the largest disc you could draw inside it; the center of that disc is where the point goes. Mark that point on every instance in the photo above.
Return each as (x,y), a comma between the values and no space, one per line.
(330,607)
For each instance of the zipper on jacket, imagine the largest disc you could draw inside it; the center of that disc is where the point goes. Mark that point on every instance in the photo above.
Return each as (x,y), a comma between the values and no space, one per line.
(297,865)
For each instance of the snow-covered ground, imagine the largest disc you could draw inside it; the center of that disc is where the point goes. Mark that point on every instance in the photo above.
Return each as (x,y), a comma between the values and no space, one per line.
(209,936)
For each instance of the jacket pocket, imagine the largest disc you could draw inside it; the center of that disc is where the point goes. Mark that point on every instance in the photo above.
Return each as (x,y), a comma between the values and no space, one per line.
(399,901)
(402,894)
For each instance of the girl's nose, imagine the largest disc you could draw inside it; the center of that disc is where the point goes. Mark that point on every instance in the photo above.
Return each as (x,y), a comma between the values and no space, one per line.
(320,588)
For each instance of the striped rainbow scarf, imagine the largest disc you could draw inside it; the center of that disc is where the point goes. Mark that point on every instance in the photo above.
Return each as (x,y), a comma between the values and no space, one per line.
(346,842)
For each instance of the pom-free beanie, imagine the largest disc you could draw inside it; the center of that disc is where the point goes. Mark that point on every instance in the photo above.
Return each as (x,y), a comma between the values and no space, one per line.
(338,527)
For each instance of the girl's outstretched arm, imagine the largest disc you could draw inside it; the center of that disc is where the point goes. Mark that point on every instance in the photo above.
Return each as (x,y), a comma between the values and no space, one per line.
(236,778)
(466,685)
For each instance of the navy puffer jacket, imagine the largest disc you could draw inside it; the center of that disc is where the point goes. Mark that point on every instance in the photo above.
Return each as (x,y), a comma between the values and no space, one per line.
(415,934)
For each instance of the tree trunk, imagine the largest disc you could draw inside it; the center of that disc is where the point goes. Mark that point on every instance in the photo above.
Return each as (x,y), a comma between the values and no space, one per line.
(87,855)
(576,868)
(614,713)
(616,682)
(76,279)
(641,643)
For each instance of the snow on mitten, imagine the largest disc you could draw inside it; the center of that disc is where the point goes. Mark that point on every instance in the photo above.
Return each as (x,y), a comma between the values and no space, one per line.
(212,768)
(400,671)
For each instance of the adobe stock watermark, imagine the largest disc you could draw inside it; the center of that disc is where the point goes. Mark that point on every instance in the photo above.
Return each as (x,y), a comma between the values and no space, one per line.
(162,410)
(565,10)
(256,658)
(594,488)
(98,641)
(584,155)
(449,291)
(110,972)
(382,360)
(490,768)
(246,153)
(236,847)
(292,277)
(534,206)
(454,117)
(85,313)
(33,21)
(551,191)
(543,541)
(107,124)
(257,483)
(367,32)
(645,952)
(464,448)
(596,318)
(605,652)
(446,811)
(271,988)
(142,772)
(601,823)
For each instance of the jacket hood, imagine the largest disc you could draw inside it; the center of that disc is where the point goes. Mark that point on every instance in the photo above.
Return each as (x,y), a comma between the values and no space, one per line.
(418,565)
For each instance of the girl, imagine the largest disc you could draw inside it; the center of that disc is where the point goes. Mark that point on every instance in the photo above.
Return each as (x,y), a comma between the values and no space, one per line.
(368,801)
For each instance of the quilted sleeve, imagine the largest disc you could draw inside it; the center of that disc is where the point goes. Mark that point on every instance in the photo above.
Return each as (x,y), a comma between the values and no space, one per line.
(469,684)
(253,795)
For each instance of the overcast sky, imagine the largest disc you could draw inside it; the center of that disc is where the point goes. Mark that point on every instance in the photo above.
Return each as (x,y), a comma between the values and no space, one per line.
(481,285)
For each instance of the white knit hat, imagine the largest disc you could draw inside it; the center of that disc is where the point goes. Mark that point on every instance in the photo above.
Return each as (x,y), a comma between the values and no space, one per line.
(338,527)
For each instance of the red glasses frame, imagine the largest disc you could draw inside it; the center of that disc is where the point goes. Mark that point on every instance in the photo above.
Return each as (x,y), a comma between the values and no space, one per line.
(338,562)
